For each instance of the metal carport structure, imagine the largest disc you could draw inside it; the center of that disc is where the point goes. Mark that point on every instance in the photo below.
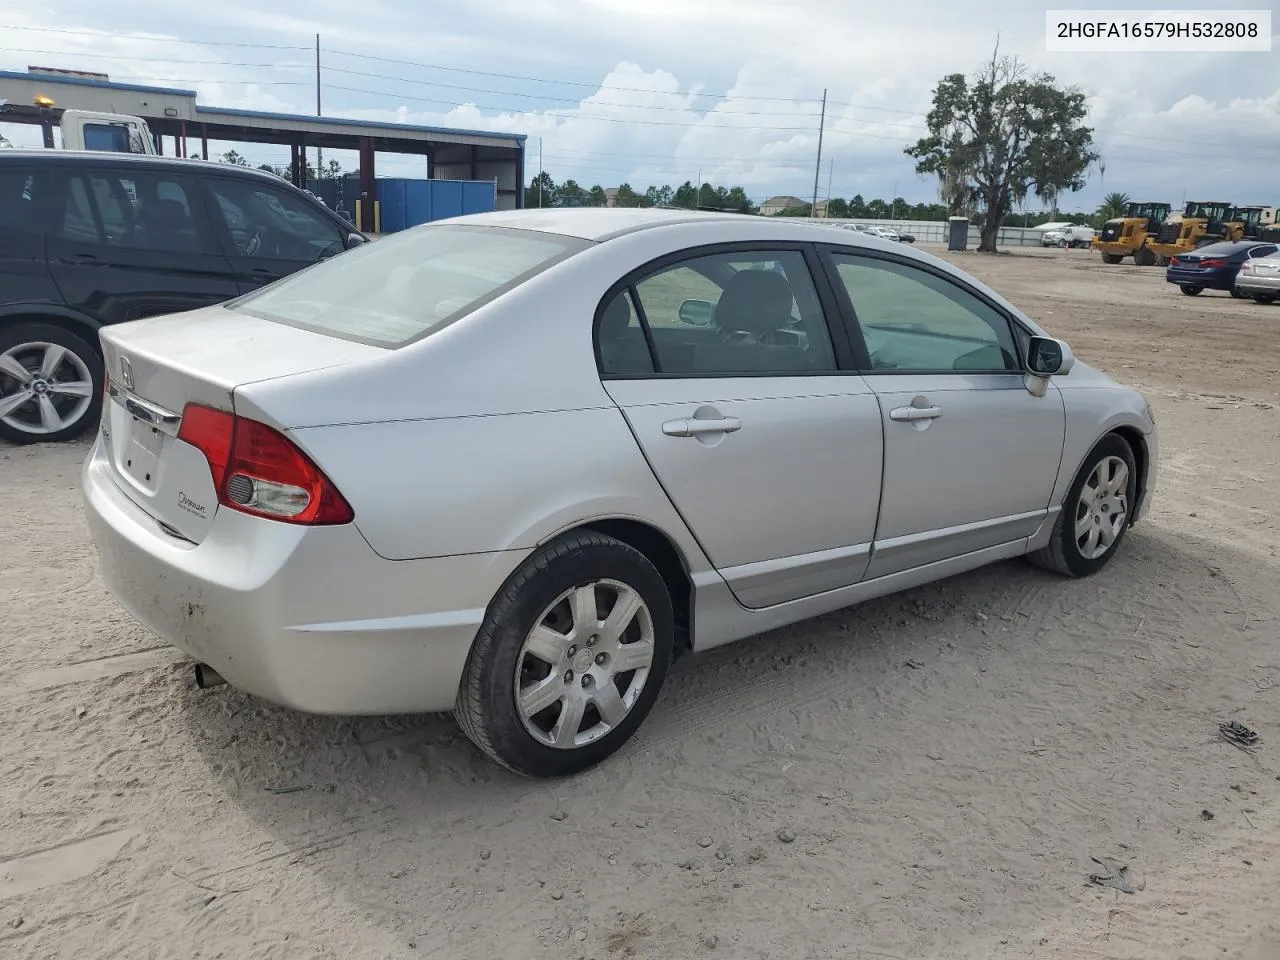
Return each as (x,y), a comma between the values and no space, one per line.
(449,154)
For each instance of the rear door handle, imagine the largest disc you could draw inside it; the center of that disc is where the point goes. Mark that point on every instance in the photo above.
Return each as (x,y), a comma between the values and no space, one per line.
(697,427)
(82,260)
(915,413)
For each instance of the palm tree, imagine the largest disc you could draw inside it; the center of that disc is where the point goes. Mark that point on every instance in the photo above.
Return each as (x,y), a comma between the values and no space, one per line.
(1113,205)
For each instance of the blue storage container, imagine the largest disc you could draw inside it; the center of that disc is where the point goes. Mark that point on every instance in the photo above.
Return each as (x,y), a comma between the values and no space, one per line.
(407,202)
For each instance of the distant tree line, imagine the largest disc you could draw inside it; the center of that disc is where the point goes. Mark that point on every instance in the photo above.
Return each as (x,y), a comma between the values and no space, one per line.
(332,170)
(543,191)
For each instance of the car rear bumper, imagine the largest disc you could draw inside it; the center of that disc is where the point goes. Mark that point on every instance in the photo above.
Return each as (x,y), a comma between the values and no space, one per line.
(307,617)
(1211,280)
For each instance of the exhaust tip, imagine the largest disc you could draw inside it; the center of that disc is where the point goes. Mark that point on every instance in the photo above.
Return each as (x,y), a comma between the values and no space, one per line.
(207,677)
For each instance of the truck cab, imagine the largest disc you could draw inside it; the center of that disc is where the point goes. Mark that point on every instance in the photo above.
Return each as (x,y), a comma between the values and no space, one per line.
(112,132)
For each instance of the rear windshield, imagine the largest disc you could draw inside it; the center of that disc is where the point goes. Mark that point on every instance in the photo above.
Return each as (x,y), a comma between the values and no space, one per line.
(1220,249)
(398,289)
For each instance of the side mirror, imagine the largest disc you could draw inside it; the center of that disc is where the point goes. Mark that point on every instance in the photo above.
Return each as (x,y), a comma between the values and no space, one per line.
(354,240)
(1047,357)
(696,313)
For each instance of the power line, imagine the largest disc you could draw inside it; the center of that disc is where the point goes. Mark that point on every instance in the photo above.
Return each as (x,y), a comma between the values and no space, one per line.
(567,83)
(134,58)
(546,97)
(105,35)
(561,116)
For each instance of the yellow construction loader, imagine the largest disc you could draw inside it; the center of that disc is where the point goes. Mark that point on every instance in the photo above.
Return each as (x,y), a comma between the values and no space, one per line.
(1129,236)
(1202,222)
(1245,223)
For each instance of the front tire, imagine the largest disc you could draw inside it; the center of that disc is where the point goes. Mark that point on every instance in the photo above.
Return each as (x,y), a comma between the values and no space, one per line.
(570,657)
(50,384)
(1265,298)
(1095,512)
(1191,291)
(1112,258)
(1237,295)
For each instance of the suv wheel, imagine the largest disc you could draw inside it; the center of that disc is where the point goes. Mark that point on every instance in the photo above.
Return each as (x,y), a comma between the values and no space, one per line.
(50,384)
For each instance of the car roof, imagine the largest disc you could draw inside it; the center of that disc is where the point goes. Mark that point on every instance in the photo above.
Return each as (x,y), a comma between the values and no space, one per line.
(593,223)
(1231,246)
(27,156)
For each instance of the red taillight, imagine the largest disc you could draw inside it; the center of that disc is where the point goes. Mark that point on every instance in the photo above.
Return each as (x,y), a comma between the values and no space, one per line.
(259,471)
(1174,262)
(1213,262)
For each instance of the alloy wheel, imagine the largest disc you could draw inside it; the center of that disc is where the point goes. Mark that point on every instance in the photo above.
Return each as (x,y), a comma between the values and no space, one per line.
(44,388)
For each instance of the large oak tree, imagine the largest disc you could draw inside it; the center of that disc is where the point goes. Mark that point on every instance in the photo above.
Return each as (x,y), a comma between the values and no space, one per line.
(997,137)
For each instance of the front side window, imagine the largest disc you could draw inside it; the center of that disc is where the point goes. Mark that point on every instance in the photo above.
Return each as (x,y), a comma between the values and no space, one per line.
(264,221)
(403,287)
(914,320)
(736,313)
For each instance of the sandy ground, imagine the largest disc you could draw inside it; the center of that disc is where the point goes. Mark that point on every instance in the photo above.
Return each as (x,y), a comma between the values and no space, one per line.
(924,776)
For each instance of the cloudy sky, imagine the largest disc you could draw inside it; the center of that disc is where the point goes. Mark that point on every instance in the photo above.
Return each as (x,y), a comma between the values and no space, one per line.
(658,91)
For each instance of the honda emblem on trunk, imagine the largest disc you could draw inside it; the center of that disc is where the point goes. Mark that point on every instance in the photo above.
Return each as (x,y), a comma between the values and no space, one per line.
(126,372)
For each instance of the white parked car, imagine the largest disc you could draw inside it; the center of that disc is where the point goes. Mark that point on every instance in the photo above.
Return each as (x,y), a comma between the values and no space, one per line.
(511,464)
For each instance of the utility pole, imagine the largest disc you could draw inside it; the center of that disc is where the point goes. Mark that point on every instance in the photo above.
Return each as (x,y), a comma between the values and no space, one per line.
(831,172)
(319,150)
(539,173)
(893,202)
(817,166)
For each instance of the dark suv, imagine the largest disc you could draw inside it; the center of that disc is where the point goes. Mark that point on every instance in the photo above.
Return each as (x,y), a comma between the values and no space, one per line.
(88,239)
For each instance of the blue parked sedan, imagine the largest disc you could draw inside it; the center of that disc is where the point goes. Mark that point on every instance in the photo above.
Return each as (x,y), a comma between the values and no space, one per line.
(1214,267)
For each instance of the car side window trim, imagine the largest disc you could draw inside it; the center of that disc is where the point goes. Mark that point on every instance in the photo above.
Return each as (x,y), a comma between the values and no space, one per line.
(842,347)
(828,253)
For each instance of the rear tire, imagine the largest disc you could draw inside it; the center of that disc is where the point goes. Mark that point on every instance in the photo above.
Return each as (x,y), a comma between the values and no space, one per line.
(1111,258)
(1191,291)
(1073,549)
(50,384)
(1143,257)
(1265,297)
(536,693)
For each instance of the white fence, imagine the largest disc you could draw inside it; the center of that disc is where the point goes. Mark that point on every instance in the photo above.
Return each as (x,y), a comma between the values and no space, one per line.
(935,231)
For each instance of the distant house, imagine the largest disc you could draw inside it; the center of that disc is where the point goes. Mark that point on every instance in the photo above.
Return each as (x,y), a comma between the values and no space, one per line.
(775,205)
(610,196)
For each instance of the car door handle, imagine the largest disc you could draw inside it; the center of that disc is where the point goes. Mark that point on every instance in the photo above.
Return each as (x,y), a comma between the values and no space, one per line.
(697,427)
(915,413)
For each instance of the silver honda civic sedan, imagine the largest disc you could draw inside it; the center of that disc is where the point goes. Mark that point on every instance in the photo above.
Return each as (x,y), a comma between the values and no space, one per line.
(511,465)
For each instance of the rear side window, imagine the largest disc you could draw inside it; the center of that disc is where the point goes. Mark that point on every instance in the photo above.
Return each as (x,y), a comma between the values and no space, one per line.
(20,195)
(143,210)
(391,291)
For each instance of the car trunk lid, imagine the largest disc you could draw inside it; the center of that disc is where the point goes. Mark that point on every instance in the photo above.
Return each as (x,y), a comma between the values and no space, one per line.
(158,366)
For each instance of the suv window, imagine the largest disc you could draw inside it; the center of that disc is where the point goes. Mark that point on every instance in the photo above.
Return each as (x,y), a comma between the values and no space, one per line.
(19,196)
(912,319)
(141,210)
(268,222)
(736,313)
